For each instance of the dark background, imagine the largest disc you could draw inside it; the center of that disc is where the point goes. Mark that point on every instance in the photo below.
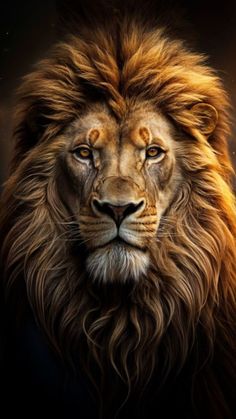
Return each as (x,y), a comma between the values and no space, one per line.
(28,28)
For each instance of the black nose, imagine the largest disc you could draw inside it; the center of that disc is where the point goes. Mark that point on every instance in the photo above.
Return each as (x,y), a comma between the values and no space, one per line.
(117,212)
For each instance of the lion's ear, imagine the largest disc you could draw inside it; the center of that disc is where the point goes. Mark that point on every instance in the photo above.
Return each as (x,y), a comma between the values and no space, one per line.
(205,117)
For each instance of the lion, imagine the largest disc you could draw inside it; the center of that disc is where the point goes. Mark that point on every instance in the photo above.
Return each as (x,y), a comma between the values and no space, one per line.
(118,221)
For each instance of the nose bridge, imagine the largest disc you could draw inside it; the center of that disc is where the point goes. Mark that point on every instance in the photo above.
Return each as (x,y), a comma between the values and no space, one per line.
(120,180)
(126,162)
(119,190)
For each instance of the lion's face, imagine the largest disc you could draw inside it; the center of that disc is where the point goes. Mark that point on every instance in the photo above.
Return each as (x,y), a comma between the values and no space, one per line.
(120,179)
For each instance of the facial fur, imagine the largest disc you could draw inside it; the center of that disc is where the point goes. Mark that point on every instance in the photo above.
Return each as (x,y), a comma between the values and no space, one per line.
(119,174)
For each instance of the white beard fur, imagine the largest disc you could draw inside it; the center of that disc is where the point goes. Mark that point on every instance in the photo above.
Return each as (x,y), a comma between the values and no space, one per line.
(117,263)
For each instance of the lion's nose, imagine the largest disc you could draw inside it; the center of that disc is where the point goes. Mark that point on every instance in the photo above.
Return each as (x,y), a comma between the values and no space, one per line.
(117,212)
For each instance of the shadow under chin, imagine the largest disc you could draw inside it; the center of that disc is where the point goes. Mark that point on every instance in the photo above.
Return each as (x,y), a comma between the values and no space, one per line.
(117,262)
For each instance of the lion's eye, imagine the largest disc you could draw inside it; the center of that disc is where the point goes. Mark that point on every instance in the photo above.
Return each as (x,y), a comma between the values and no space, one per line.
(83,153)
(155,152)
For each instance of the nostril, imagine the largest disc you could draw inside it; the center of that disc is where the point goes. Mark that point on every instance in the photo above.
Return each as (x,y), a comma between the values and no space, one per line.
(132,208)
(105,208)
(97,205)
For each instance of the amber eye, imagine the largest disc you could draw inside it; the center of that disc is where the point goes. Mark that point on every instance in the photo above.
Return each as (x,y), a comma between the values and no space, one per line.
(155,152)
(83,153)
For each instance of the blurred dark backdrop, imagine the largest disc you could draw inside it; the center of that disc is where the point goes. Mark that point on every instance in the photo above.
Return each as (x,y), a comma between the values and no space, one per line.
(28,28)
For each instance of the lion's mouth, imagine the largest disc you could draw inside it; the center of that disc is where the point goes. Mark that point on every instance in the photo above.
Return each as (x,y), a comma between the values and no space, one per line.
(120,242)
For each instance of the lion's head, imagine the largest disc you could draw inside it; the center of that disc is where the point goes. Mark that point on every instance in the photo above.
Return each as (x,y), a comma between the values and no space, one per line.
(118,178)
(118,215)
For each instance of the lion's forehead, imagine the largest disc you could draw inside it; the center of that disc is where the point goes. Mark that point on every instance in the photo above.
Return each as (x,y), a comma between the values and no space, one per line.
(140,128)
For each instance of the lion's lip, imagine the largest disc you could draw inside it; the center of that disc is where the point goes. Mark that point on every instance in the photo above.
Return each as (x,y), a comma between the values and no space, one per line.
(116,240)
(119,240)
(122,242)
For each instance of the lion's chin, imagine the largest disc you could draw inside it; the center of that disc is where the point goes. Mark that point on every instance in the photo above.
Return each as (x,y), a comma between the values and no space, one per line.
(117,262)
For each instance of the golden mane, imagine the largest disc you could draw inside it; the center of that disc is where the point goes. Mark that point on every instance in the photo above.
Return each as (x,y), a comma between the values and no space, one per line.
(186,305)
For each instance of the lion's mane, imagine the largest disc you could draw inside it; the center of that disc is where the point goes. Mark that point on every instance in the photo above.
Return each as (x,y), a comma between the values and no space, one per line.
(186,305)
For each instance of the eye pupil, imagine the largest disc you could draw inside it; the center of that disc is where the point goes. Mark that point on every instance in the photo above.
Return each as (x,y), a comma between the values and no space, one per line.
(83,153)
(154,152)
